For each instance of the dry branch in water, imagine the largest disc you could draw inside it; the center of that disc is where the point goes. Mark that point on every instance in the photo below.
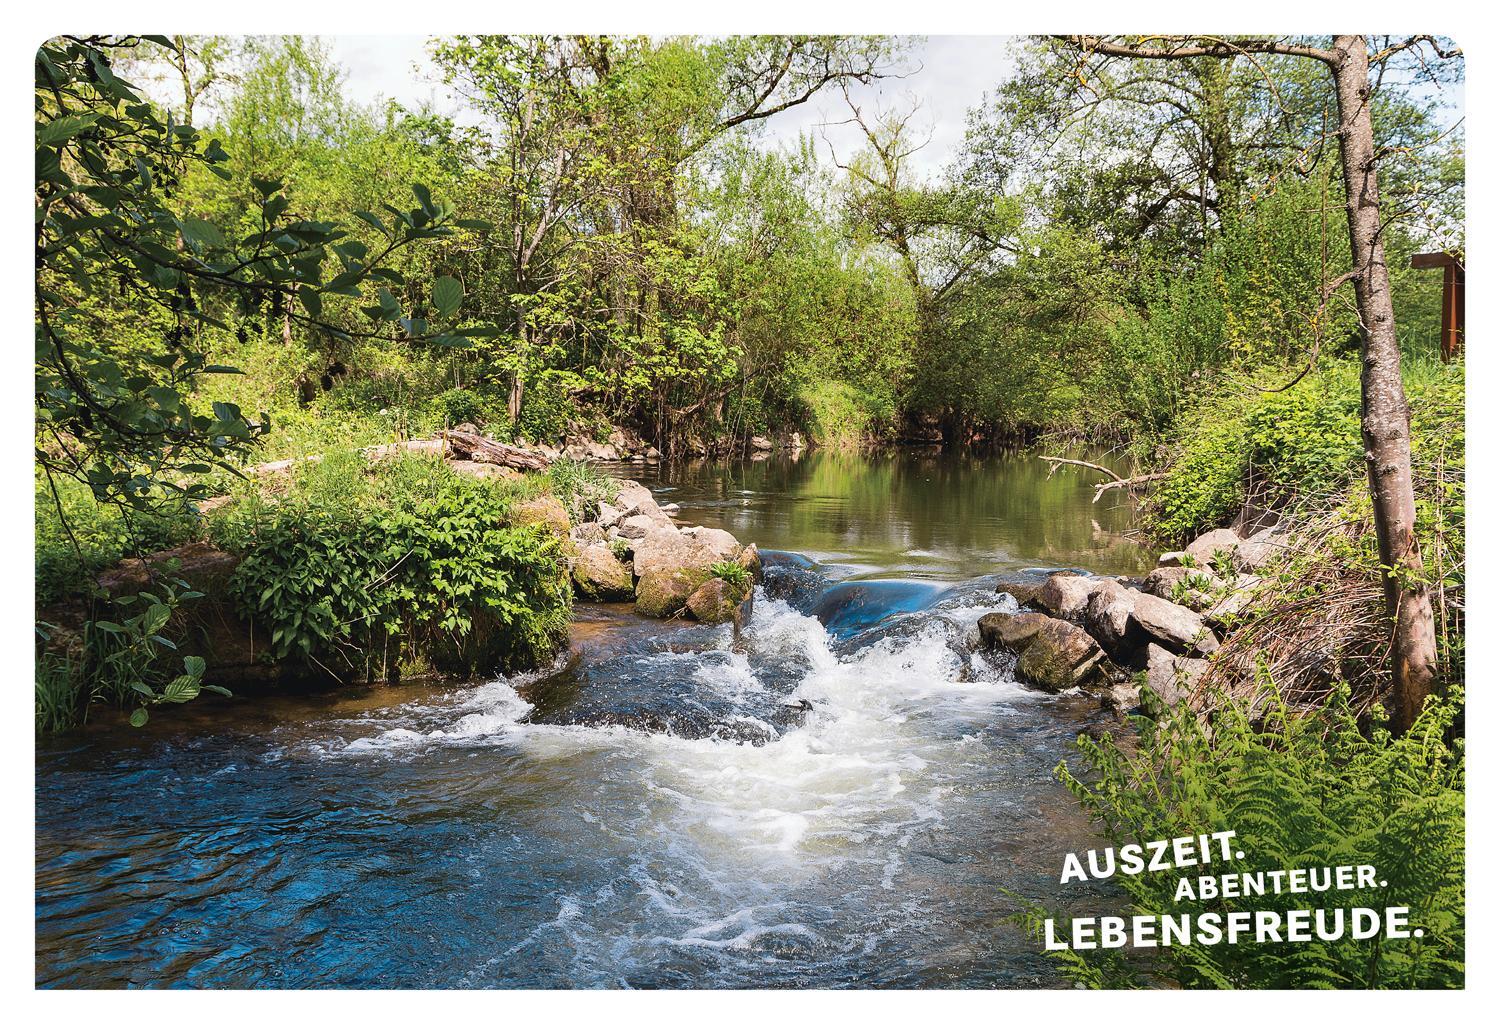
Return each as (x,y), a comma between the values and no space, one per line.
(1115,481)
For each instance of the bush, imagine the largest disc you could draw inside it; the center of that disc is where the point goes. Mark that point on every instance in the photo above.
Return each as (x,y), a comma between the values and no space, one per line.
(839,415)
(1275,448)
(1300,792)
(103,532)
(363,567)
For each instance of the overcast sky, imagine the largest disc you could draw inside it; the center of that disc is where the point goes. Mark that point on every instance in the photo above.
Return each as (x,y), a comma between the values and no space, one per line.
(950,75)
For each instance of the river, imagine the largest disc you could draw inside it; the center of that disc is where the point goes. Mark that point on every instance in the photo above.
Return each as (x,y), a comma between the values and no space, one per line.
(841,798)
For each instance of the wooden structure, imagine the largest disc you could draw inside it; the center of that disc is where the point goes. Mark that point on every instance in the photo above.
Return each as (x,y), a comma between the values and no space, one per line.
(1451,331)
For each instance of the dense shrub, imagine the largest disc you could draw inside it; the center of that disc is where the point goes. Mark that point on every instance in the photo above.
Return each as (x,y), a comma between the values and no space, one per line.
(839,415)
(365,569)
(1300,792)
(104,533)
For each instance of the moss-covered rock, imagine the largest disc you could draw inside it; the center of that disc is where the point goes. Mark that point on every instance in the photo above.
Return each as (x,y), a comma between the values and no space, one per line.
(716,601)
(599,576)
(664,590)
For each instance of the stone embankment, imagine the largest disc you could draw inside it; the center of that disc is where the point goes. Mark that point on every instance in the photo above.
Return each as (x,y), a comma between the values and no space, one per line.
(1108,635)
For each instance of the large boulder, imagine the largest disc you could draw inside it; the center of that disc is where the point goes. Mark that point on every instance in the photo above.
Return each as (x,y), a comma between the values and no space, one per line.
(663,590)
(1110,617)
(1054,654)
(672,548)
(1179,629)
(1003,632)
(724,545)
(1059,655)
(718,601)
(1066,595)
(1172,678)
(1258,550)
(1205,548)
(1195,587)
(599,576)
(546,510)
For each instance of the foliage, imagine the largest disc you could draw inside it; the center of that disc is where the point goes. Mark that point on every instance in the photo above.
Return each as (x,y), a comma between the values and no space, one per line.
(1301,791)
(126,659)
(114,397)
(580,487)
(361,568)
(733,574)
(83,536)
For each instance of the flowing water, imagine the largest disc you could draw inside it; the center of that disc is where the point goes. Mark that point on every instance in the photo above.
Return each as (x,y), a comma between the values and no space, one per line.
(841,797)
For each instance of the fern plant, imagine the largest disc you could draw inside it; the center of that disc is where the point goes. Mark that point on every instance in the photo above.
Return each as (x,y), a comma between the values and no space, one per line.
(1301,791)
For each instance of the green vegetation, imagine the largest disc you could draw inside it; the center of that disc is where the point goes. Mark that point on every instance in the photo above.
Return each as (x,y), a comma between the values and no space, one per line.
(363,568)
(733,574)
(1301,791)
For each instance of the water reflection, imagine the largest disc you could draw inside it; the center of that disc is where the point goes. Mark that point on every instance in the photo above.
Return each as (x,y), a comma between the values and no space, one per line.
(910,513)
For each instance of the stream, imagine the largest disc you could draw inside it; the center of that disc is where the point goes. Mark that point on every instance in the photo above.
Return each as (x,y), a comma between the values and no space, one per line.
(845,796)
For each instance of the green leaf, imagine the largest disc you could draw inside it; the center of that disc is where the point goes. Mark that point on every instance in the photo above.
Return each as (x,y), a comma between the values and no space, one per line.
(200,233)
(447,295)
(64,128)
(138,717)
(194,665)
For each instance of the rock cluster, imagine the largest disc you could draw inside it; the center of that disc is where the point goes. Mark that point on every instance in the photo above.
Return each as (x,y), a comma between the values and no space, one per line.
(1104,633)
(635,550)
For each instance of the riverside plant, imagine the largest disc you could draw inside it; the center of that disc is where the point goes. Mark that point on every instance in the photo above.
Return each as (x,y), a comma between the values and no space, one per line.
(1301,789)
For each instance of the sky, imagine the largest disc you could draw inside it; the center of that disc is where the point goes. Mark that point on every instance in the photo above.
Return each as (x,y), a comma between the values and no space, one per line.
(950,74)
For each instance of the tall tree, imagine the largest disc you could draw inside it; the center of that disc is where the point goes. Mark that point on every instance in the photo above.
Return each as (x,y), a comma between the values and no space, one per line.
(1385,416)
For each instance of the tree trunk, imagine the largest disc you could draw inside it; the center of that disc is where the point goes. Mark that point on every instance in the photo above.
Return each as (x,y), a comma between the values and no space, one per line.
(1385,421)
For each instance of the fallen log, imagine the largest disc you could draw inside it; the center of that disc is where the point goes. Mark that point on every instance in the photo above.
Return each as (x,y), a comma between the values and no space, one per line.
(479,449)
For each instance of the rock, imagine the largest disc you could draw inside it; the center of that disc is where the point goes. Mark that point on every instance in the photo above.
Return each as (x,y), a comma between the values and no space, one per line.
(1203,550)
(1023,591)
(1066,595)
(609,515)
(1058,656)
(664,590)
(599,576)
(1164,580)
(588,534)
(761,443)
(1054,654)
(1109,617)
(1121,698)
(1196,588)
(1172,678)
(546,510)
(635,499)
(724,545)
(1004,632)
(1174,627)
(716,601)
(1224,613)
(669,547)
(638,526)
(750,561)
(671,508)
(1170,558)
(1256,551)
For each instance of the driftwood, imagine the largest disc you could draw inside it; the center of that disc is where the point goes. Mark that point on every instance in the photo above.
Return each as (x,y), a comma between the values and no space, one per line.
(1115,480)
(463,445)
